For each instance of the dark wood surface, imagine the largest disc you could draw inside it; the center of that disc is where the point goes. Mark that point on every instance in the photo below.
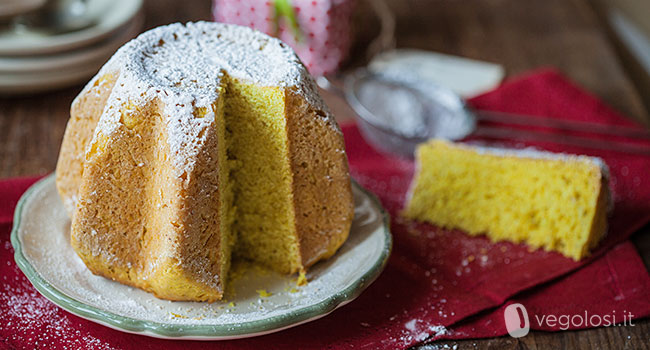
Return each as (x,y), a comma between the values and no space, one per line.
(520,35)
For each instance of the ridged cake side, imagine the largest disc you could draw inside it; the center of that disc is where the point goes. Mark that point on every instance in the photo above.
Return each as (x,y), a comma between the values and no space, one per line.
(145,169)
(137,220)
(324,206)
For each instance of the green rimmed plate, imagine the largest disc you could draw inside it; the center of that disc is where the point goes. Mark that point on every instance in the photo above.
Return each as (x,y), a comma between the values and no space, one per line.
(259,301)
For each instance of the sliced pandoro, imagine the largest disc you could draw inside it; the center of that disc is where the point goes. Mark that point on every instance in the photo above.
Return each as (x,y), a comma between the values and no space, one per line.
(196,142)
(554,201)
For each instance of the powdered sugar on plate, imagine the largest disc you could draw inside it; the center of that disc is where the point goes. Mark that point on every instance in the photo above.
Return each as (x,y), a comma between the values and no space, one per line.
(258,301)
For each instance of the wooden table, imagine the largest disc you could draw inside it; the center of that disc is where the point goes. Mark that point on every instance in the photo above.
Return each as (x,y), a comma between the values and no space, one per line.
(520,35)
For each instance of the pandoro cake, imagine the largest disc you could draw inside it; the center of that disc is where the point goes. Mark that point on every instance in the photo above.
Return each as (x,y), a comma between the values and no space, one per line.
(554,201)
(197,142)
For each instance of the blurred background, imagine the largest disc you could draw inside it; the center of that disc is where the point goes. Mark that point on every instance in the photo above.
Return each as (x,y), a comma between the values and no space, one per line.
(49,49)
(589,40)
(603,45)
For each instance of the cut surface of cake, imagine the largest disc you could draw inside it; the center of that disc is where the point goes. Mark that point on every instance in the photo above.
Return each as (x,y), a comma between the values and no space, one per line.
(196,142)
(554,201)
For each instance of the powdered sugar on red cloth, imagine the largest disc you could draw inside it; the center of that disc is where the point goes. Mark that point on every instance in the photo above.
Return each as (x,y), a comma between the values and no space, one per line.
(437,284)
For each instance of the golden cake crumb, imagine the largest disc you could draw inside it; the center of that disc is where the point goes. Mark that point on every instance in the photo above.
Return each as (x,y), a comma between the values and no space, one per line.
(302,279)
(556,202)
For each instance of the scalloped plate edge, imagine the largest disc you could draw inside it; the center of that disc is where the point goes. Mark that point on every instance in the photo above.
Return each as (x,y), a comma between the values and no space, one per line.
(202,332)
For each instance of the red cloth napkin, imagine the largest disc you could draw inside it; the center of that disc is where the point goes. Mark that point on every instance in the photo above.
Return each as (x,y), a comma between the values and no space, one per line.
(437,284)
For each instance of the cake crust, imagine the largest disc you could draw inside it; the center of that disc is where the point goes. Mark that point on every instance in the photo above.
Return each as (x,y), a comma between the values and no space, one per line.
(322,192)
(140,171)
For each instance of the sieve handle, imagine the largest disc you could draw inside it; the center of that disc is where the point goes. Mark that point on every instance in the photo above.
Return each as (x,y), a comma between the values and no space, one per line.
(573,140)
(563,124)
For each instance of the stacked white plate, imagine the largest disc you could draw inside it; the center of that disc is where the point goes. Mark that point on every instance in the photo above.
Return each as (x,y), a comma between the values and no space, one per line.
(34,61)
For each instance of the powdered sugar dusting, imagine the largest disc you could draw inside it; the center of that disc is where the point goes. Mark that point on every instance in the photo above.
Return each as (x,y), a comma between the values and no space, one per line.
(531,153)
(183,66)
(534,153)
(32,314)
(44,235)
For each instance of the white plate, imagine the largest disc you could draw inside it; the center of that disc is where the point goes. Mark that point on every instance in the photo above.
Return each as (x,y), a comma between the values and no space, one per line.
(111,15)
(43,252)
(35,83)
(42,74)
(10,8)
(100,51)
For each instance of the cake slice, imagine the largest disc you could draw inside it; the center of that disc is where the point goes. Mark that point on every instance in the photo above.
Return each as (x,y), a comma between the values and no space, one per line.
(554,201)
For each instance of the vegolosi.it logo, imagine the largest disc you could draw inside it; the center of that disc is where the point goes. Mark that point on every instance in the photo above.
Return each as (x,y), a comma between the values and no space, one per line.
(517,322)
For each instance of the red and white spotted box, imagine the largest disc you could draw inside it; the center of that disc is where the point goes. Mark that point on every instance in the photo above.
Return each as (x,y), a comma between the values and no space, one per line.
(321,38)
